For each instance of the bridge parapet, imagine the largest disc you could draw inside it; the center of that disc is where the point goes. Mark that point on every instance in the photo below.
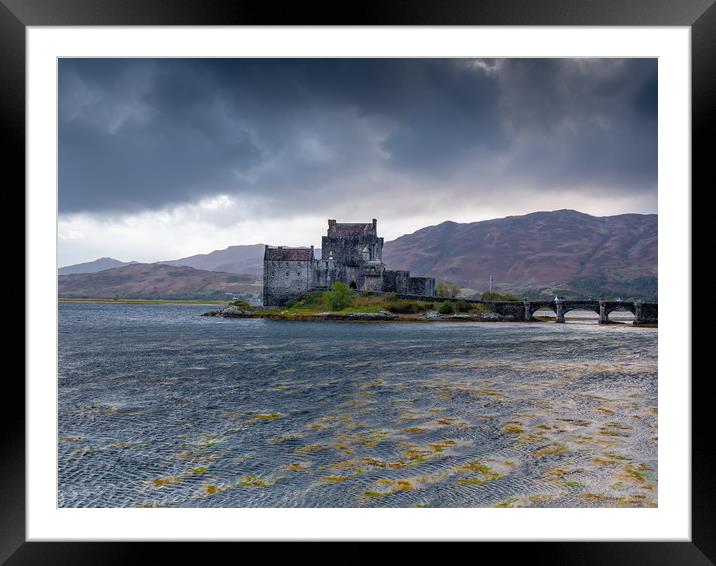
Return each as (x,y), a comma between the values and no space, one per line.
(644,313)
(510,309)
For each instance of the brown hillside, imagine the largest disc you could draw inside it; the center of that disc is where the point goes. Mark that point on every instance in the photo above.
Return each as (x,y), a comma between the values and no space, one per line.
(532,251)
(155,281)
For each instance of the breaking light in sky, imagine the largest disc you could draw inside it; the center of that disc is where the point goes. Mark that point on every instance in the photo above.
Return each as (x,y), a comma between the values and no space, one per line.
(163,158)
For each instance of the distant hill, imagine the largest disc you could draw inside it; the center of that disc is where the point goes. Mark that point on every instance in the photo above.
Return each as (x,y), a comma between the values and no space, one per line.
(93,266)
(234,259)
(156,281)
(542,253)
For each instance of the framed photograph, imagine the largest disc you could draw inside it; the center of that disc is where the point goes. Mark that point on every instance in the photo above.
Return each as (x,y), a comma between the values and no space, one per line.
(422,275)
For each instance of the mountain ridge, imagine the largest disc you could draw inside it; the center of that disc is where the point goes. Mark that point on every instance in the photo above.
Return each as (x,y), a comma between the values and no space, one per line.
(99,264)
(232,259)
(542,253)
(536,253)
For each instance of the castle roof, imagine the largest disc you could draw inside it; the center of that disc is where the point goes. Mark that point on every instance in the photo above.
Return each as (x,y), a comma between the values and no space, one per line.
(282,253)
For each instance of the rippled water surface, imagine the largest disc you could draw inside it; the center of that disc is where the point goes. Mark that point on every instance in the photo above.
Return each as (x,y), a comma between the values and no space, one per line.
(159,406)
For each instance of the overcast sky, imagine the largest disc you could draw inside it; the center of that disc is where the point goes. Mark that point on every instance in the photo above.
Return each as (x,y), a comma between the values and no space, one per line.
(163,158)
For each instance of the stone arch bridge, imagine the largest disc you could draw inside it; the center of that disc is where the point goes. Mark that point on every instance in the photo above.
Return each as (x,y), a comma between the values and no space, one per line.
(644,313)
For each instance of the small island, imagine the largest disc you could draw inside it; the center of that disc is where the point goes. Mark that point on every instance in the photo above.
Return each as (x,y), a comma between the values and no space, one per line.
(340,302)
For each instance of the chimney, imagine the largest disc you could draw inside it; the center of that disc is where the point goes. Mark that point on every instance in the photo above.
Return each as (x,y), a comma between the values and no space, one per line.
(375,224)
(331,222)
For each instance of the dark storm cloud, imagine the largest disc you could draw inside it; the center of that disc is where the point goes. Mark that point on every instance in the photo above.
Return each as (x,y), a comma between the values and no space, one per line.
(583,121)
(143,134)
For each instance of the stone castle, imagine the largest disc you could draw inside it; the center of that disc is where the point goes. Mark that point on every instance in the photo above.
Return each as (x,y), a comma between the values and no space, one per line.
(350,253)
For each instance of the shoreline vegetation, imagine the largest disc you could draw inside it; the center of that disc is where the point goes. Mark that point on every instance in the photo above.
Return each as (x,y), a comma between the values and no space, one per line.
(342,303)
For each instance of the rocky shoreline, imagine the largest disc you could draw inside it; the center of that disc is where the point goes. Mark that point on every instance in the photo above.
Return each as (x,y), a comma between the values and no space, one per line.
(428,316)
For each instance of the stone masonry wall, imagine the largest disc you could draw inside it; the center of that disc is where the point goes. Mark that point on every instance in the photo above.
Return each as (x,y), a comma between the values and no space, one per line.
(424,286)
(348,250)
(284,280)
(396,281)
(372,278)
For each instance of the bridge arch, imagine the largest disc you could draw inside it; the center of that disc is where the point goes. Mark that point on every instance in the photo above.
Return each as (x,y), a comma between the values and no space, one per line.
(608,307)
(627,307)
(582,306)
(531,307)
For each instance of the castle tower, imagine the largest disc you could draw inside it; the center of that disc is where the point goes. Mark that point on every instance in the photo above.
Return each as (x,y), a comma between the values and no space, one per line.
(353,246)
(347,242)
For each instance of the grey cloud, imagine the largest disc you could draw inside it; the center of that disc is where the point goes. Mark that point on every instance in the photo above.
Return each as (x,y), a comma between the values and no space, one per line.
(145,134)
(583,122)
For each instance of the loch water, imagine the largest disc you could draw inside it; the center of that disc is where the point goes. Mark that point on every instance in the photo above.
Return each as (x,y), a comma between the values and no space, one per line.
(159,406)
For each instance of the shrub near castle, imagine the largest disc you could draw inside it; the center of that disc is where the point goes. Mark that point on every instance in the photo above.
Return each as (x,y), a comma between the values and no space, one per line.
(339,297)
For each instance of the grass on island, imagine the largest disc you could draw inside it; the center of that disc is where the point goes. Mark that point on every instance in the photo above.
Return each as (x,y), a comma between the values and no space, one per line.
(341,299)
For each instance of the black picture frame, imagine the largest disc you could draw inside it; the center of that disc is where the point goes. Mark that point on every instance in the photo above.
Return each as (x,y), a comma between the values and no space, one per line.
(16,15)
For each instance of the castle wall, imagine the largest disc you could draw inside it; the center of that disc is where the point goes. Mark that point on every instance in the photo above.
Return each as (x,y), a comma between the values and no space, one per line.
(285,280)
(320,274)
(288,273)
(352,244)
(348,250)
(373,278)
(396,281)
(424,286)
